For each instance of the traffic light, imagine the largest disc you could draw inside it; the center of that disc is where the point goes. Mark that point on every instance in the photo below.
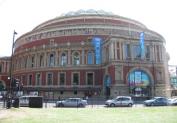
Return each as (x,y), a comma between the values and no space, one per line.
(15,84)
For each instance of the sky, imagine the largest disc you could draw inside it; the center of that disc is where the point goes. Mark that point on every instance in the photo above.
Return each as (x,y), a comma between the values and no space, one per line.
(24,15)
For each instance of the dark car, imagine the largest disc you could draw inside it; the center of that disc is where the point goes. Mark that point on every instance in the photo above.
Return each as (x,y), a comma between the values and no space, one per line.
(156,101)
(72,102)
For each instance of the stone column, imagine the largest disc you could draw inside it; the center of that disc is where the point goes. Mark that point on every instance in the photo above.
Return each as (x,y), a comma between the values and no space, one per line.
(111,50)
(27,64)
(121,50)
(36,60)
(82,56)
(115,50)
(56,57)
(45,60)
(69,56)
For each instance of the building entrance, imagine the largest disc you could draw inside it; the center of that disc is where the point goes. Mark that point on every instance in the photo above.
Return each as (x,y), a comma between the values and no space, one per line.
(139,83)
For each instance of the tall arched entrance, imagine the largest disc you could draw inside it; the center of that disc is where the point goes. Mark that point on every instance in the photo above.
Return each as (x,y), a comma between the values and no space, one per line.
(139,83)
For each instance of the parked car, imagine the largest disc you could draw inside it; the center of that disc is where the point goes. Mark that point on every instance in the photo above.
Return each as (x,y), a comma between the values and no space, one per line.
(157,101)
(72,102)
(173,101)
(120,101)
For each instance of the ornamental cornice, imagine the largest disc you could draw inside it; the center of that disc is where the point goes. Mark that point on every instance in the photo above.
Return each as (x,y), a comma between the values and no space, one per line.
(89,30)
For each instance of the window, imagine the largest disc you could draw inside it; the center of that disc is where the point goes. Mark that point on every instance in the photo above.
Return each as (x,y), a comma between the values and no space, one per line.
(147,52)
(90,78)
(32,61)
(38,79)
(51,60)
(26,62)
(136,52)
(118,50)
(62,78)
(30,80)
(127,51)
(49,79)
(63,59)
(90,58)
(76,58)
(75,78)
(23,79)
(52,43)
(41,61)
(158,53)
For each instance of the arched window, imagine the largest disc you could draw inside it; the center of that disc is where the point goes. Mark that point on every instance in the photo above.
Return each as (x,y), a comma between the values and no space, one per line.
(32,61)
(26,62)
(90,58)
(63,59)
(51,60)
(41,61)
(38,79)
(30,79)
(139,83)
(76,58)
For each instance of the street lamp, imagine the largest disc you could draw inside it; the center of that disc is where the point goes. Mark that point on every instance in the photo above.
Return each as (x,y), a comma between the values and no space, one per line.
(11,60)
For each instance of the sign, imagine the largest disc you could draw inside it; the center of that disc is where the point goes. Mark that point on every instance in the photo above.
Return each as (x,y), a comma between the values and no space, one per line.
(142,50)
(107,81)
(137,77)
(96,41)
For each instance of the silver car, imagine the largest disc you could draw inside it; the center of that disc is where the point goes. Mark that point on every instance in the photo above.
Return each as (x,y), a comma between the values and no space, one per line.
(72,102)
(173,101)
(120,101)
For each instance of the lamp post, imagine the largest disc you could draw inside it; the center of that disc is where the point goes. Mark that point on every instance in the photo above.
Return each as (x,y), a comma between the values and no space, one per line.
(11,60)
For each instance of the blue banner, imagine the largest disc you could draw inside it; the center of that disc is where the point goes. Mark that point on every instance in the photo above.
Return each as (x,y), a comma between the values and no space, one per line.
(142,50)
(107,81)
(96,41)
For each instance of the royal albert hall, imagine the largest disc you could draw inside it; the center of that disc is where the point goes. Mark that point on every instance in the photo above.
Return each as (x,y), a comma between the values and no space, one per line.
(91,53)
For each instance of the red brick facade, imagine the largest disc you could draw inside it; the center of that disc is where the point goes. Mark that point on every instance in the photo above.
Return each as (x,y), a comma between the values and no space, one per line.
(60,57)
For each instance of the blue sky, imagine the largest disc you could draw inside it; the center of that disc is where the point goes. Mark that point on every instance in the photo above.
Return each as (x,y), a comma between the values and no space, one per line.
(24,15)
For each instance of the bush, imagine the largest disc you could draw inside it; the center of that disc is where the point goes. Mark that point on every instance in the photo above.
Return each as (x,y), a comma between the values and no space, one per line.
(36,102)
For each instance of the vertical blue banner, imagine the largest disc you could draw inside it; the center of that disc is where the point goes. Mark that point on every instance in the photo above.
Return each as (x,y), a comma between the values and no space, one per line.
(107,81)
(142,50)
(96,41)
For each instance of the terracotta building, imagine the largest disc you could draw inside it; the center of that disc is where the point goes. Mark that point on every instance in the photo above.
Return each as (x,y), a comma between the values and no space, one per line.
(91,53)
(4,74)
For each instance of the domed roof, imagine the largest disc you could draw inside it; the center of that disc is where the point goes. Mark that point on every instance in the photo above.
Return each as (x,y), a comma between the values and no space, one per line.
(87,12)
(85,19)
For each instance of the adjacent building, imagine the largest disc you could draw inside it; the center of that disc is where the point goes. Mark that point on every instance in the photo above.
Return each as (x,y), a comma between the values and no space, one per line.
(4,74)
